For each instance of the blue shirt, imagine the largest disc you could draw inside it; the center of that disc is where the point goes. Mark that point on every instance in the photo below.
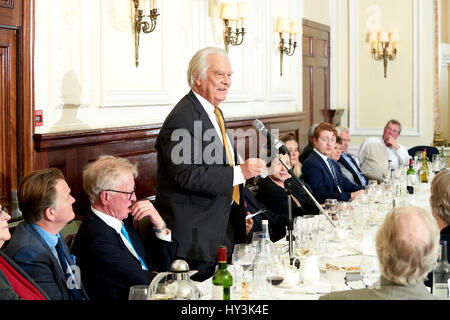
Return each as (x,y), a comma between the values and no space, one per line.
(50,239)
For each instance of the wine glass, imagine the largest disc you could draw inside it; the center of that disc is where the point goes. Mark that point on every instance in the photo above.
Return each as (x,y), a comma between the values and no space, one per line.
(331,207)
(370,271)
(138,292)
(243,256)
(275,273)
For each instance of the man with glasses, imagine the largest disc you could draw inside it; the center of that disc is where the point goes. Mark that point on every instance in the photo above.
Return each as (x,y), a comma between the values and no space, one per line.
(348,164)
(108,248)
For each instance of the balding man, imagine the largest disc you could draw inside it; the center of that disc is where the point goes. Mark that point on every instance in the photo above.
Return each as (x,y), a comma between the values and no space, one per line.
(407,249)
(397,153)
(349,166)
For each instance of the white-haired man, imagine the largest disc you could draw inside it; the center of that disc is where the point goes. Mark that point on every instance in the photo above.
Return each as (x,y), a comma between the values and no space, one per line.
(199,179)
(407,248)
(349,166)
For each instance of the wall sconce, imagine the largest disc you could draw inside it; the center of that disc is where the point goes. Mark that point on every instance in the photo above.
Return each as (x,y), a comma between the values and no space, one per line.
(384,47)
(233,14)
(143,9)
(291,27)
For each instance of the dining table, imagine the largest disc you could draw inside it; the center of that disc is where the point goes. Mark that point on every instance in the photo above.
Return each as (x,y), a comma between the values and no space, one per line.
(338,256)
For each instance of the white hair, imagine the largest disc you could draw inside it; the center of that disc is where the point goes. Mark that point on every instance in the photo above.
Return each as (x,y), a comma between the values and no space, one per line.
(199,63)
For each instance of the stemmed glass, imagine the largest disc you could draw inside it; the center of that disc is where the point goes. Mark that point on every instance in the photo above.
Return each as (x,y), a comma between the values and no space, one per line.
(243,256)
(331,207)
(370,271)
(275,273)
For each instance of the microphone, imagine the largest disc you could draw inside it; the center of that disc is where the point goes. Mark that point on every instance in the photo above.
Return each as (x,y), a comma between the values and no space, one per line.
(274,142)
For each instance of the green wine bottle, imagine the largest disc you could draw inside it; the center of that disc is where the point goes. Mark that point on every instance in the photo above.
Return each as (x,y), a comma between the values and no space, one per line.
(222,279)
(411,177)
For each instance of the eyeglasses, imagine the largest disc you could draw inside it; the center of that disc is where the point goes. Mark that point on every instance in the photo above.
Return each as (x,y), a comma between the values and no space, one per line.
(130,194)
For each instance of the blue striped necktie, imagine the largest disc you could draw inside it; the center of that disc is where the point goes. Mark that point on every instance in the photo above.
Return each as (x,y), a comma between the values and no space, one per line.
(125,233)
(333,173)
(65,266)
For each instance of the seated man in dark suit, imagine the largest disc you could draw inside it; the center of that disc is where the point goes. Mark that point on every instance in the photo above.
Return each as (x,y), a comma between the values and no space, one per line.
(108,249)
(322,174)
(346,160)
(36,244)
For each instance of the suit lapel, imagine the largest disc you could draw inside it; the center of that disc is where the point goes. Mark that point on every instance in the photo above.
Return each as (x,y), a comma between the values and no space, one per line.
(209,132)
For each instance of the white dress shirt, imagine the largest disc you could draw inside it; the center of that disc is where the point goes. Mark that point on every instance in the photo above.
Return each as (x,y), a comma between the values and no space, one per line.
(238,177)
(117,226)
(324,157)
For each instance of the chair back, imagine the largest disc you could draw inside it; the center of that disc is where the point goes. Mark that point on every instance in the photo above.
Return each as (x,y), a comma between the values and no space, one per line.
(430,151)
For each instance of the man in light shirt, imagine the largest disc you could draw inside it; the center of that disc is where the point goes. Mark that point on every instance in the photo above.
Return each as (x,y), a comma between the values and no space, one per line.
(398,154)
(108,246)
(200,178)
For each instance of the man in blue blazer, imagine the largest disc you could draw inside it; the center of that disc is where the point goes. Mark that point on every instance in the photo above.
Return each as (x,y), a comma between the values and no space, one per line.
(322,174)
(108,248)
(36,244)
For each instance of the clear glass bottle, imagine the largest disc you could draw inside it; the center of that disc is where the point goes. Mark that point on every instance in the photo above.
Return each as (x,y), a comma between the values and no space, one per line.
(441,274)
(261,264)
(443,159)
(265,229)
(424,170)
(222,279)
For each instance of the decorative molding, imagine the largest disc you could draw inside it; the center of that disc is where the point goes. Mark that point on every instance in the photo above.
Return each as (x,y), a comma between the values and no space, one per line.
(333,55)
(353,108)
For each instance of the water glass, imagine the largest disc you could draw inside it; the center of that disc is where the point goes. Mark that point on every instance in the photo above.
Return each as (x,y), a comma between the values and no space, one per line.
(370,271)
(331,207)
(139,292)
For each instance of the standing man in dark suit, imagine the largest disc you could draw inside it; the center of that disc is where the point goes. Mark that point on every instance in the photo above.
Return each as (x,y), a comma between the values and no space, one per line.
(347,161)
(36,244)
(109,250)
(199,175)
(324,175)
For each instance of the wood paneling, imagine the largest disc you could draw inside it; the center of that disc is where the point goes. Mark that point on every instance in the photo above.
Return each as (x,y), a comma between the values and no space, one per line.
(10,21)
(10,12)
(72,151)
(316,71)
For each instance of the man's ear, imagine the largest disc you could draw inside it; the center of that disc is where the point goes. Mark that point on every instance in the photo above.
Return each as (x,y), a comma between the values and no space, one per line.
(104,198)
(49,214)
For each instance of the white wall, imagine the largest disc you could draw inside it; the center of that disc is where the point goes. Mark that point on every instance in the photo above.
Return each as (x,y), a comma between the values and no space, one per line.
(85,75)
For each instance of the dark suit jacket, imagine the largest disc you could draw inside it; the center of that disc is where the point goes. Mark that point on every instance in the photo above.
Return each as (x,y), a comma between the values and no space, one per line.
(347,166)
(317,175)
(194,197)
(109,269)
(275,199)
(32,254)
(6,290)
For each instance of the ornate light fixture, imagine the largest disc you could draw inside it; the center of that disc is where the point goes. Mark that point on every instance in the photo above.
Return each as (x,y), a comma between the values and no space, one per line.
(233,14)
(143,9)
(384,47)
(290,27)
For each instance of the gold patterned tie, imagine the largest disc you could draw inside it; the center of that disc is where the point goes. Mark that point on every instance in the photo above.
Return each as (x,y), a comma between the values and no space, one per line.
(227,149)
